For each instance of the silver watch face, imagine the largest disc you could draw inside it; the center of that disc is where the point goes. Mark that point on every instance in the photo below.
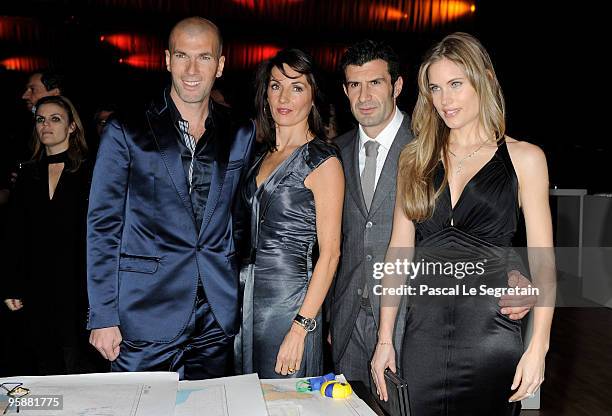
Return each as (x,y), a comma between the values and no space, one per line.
(310,324)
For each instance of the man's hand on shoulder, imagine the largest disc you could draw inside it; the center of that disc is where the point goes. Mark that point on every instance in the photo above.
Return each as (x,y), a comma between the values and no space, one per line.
(106,341)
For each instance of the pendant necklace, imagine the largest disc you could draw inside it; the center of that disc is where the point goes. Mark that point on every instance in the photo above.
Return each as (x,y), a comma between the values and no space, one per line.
(470,155)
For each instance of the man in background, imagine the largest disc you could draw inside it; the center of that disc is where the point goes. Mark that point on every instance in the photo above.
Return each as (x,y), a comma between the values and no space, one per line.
(42,84)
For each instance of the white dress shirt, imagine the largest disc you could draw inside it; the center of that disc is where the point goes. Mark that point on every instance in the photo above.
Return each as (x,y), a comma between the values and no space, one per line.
(385,139)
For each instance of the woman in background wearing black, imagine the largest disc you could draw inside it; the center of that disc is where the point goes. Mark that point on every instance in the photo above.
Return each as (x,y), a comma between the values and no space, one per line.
(47,239)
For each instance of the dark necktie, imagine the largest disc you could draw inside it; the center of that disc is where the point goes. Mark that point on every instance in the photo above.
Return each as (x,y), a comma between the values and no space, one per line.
(368,176)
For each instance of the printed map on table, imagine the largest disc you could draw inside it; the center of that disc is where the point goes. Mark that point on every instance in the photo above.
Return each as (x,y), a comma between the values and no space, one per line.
(225,396)
(207,401)
(117,400)
(282,399)
(107,394)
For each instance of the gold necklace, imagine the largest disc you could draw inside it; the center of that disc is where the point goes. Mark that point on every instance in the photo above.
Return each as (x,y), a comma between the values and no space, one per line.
(460,167)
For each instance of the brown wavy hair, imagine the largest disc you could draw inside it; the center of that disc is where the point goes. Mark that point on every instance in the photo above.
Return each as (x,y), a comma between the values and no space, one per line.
(419,159)
(77,146)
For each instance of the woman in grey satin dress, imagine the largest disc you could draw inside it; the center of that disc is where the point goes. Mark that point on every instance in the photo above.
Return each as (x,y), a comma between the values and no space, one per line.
(295,191)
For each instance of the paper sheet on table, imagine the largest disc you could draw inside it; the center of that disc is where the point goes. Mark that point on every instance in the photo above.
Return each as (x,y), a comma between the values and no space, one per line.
(104,394)
(282,399)
(226,396)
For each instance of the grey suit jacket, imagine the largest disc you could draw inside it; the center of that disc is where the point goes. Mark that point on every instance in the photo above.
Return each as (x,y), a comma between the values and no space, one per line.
(365,238)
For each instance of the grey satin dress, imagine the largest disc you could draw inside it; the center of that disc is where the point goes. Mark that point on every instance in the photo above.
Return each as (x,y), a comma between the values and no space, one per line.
(284,247)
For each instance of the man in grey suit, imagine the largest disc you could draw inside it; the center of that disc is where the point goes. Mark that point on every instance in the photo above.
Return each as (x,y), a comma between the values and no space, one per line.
(370,155)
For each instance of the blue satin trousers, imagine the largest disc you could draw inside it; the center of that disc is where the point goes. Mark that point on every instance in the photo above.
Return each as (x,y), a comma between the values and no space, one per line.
(202,351)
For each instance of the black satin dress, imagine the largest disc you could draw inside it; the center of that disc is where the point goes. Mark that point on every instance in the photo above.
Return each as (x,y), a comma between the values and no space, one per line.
(460,353)
(48,263)
(284,241)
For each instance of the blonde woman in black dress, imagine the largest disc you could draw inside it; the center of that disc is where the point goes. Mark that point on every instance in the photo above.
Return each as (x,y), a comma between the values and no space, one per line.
(461,184)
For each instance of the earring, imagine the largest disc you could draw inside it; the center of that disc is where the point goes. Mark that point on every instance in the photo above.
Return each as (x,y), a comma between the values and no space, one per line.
(266,111)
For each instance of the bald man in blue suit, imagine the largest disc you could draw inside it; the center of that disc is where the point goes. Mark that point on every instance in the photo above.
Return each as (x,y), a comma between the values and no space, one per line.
(163,224)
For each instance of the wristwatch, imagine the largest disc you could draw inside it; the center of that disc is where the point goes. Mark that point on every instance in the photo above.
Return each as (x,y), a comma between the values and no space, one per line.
(309,324)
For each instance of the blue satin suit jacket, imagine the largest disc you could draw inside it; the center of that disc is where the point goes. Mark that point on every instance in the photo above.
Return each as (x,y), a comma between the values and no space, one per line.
(144,252)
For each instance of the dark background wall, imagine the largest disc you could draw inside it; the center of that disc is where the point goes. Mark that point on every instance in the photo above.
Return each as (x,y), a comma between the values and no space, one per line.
(538,49)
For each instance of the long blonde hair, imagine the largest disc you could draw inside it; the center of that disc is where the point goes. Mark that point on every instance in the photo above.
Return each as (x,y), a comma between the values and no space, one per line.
(419,159)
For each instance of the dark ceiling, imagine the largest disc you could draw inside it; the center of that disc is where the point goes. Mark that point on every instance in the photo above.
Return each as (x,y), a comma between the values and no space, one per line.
(536,54)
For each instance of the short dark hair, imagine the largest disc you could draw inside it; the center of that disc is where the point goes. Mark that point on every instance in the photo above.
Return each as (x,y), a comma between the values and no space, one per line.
(110,107)
(52,79)
(370,50)
(196,24)
(302,63)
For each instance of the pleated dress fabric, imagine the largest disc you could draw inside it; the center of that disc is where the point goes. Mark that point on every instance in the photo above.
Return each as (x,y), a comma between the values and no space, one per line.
(284,243)
(460,353)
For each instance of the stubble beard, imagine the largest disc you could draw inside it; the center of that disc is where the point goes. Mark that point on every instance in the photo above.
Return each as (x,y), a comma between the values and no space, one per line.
(370,120)
(194,97)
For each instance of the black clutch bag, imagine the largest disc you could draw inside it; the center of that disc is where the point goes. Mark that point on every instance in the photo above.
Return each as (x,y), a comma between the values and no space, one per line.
(397,390)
